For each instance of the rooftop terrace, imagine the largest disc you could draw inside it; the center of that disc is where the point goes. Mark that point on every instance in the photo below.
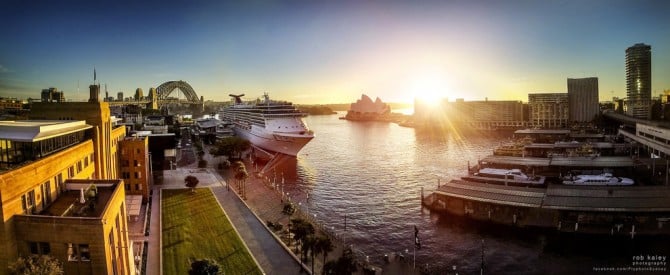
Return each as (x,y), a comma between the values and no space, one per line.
(83,198)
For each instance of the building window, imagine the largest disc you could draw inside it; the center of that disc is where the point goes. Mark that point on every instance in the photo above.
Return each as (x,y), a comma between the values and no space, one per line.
(79,166)
(28,202)
(24,204)
(70,172)
(72,254)
(135,163)
(124,163)
(127,186)
(40,248)
(45,248)
(34,249)
(138,175)
(84,252)
(85,162)
(138,187)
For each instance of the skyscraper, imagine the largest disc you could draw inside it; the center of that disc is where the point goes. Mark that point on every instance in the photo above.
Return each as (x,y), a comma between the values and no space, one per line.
(638,81)
(548,110)
(583,99)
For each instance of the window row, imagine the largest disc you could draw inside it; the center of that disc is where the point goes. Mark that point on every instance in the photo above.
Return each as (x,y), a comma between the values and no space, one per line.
(75,252)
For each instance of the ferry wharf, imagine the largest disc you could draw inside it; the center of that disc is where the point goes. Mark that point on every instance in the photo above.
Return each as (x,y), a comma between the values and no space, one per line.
(614,210)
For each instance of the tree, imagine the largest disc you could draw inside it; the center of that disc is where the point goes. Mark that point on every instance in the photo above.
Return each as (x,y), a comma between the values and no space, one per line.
(36,265)
(191,182)
(307,247)
(205,267)
(231,147)
(301,229)
(346,264)
(241,176)
(323,245)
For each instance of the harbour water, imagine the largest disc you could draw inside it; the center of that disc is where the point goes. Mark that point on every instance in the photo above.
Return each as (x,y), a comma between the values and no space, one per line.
(373,172)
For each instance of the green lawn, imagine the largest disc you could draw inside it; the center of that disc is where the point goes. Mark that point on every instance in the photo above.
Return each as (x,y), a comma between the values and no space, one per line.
(195,227)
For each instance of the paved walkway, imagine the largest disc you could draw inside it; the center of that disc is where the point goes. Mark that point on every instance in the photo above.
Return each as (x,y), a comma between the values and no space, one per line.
(270,254)
(272,257)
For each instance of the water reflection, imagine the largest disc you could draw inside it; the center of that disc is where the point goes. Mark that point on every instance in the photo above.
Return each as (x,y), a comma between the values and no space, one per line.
(373,173)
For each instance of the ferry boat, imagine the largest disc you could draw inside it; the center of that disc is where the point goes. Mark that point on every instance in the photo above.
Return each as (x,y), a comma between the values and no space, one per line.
(271,125)
(505,176)
(592,180)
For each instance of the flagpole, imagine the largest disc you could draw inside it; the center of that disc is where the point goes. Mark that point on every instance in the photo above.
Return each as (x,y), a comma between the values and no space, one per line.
(481,269)
(344,236)
(414,261)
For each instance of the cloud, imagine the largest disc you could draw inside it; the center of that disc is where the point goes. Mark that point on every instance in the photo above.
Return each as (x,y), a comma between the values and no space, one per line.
(15,87)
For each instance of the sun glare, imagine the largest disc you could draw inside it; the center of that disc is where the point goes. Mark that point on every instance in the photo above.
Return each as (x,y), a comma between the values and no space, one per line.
(430,88)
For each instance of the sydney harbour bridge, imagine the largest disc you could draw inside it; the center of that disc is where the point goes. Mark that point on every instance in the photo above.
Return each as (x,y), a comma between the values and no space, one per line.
(164,95)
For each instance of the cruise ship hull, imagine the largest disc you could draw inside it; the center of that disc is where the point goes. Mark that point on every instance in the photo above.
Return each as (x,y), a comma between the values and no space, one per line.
(278,142)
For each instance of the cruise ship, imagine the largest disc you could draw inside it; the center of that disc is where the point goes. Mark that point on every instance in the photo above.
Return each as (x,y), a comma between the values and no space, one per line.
(271,125)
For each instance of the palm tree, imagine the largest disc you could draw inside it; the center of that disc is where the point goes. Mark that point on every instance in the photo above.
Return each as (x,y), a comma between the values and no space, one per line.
(191,182)
(307,246)
(323,245)
(241,175)
(301,229)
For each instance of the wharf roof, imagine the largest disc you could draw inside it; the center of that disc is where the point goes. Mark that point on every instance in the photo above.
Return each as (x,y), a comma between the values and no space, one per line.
(492,193)
(562,161)
(620,198)
(523,161)
(542,132)
(586,135)
(592,161)
(208,123)
(36,130)
(565,197)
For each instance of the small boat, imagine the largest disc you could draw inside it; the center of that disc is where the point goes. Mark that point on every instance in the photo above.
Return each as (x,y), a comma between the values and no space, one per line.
(602,179)
(505,176)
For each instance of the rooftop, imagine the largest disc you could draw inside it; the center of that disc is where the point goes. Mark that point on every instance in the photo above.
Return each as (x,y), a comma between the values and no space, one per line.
(564,197)
(541,132)
(83,198)
(36,130)
(562,161)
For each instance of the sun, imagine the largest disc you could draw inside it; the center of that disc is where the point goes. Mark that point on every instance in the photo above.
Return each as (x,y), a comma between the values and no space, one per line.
(429,88)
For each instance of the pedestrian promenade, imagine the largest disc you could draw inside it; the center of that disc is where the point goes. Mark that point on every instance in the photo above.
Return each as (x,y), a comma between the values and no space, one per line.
(263,203)
(268,252)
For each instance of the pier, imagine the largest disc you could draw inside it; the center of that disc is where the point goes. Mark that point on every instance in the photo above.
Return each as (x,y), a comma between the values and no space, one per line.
(634,210)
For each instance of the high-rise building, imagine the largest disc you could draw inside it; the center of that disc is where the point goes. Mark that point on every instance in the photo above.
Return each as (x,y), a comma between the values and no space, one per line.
(583,99)
(52,95)
(119,96)
(638,81)
(139,94)
(485,111)
(548,110)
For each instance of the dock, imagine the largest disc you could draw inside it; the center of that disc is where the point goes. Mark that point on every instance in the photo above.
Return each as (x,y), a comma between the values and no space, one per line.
(611,210)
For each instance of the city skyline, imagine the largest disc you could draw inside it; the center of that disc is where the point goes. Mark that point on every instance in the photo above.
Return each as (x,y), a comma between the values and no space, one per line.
(330,52)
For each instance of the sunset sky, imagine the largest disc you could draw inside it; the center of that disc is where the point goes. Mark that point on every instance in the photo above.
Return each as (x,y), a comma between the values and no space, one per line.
(329,51)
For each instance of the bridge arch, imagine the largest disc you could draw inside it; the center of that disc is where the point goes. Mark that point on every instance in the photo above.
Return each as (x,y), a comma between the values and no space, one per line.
(164,90)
